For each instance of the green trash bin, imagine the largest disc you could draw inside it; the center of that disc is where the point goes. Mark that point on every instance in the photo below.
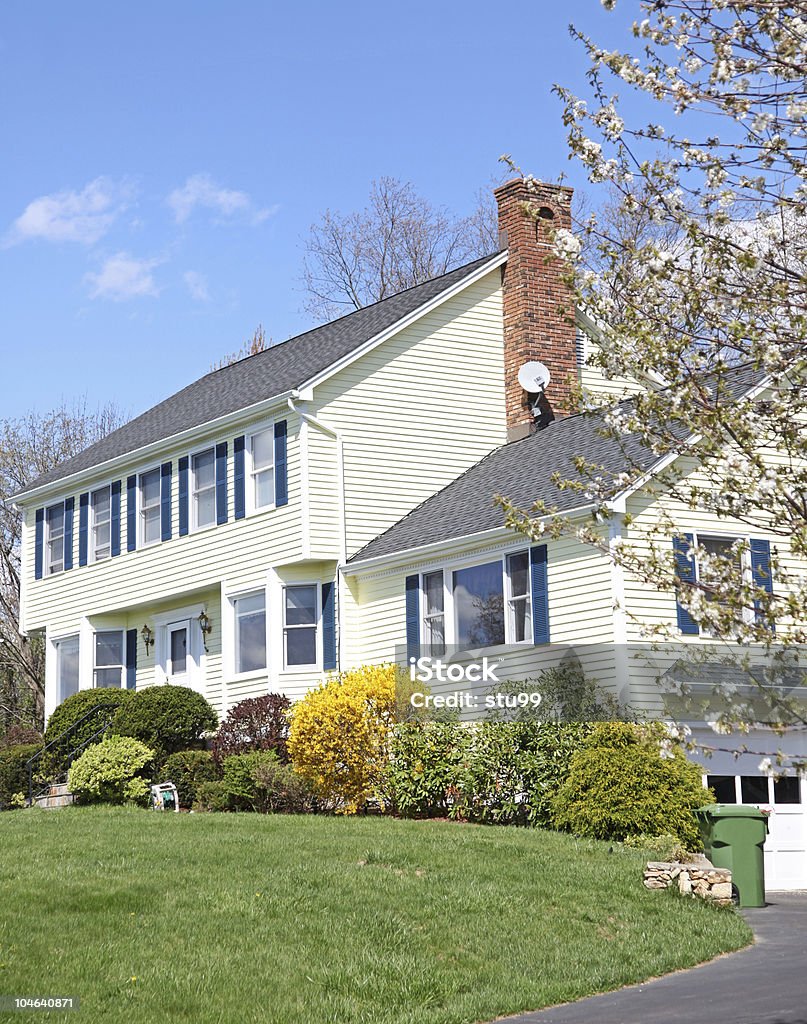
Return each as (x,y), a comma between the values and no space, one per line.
(733,837)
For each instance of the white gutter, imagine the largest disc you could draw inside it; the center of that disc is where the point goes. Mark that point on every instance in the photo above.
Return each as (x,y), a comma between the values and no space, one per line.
(73,480)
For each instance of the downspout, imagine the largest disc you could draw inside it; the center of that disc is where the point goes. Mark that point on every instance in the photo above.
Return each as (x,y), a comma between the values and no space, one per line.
(340,499)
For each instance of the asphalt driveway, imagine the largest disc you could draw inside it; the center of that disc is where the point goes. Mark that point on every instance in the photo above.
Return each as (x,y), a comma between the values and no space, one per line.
(764,984)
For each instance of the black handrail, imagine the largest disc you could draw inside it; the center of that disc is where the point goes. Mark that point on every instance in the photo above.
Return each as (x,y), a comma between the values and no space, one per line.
(93,712)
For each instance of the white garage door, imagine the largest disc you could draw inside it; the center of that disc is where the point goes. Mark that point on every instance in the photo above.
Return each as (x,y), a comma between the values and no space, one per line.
(786,800)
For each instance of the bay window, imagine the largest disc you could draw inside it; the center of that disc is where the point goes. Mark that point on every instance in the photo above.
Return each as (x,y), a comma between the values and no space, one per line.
(67,664)
(108,658)
(250,632)
(300,621)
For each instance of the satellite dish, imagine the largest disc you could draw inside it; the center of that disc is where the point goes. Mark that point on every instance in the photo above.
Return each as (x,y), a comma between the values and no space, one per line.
(533,377)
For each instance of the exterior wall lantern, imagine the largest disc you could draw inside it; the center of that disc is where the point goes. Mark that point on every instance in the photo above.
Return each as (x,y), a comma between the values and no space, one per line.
(148,637)
(206,627)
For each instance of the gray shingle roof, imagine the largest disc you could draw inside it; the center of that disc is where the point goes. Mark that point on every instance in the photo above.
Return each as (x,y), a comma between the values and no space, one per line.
(275,371)
(522,471)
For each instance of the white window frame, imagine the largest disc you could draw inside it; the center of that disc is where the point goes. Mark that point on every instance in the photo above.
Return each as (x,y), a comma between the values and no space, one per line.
(92,524)
(510,598)
(141,518)
(425,617)
(101,668)
(450,566)
(317,627)
(192,517)
(234,599)
(57,645)
(745,563)
(54,568)
(250,472)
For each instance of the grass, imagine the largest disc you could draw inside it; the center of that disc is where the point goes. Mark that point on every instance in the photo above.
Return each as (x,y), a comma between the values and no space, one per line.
(288,920)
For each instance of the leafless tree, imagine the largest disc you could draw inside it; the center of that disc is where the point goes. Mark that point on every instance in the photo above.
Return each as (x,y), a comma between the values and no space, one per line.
(257,343)
(30,446)
(398,240)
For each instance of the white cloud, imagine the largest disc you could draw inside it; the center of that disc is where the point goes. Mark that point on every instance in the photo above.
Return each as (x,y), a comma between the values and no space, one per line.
(71,216)
(201,190)
(196,284)
(123,277)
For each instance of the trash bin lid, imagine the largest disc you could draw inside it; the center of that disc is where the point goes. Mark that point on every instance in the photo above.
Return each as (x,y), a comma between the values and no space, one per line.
(732,811)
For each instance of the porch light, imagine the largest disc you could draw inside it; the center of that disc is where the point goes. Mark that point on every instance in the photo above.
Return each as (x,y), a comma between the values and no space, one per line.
(148,637)
(206,627)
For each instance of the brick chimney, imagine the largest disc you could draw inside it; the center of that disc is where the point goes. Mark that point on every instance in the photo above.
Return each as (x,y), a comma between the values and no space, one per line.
(538,304)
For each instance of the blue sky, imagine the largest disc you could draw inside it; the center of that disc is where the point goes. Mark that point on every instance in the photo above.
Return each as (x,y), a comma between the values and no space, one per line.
(163,163)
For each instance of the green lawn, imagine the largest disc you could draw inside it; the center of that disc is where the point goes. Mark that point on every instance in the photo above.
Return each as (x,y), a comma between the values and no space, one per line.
(237,918)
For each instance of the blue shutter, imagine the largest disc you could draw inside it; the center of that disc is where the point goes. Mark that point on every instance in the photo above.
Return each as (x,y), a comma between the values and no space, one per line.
(281,466)
(328,625)
(114,519)
(539,585)
(131,513)
(69,510)
(221,483)
(131,658)
(165,501)
(83,526)
(239,478)
(413,616)
(686,572)
(761,574)
(39,543)
(183,495)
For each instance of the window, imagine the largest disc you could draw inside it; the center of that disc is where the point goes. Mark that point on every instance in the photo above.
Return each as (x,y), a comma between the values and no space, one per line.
(177,660)
(434,619)
(150,529)
(300,617)
(720,547)
(108,658)
(262,468)
(724,788)
(67,667)
(101,530)
(479,605)
(518,604)
(250,632)
(54,520)
(203,489)
(787,790)
(754,789)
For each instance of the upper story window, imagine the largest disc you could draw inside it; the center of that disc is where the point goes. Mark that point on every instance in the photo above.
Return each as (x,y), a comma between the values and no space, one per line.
(101,529)
(262,468)
(67,663)
(300,622)
(108,659)
(150,507)
(719,548)
(203,489)
(54,542)
(250,632)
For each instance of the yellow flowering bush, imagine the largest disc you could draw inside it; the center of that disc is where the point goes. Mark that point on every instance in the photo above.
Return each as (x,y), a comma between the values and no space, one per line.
(339,736)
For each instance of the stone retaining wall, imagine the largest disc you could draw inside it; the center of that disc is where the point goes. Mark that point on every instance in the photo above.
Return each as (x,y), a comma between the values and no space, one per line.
(710,883)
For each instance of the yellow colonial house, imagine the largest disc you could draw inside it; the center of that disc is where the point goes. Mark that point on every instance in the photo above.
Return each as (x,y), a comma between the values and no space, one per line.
(329,502)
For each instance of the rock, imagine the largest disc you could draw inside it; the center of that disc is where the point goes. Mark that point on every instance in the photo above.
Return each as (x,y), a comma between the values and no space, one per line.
(721,891)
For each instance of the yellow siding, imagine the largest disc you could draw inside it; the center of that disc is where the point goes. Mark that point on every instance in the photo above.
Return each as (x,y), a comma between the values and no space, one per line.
(415,413)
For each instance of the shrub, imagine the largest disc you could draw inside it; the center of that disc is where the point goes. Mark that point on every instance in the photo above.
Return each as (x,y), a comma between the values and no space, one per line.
(211,796)
(166,718)
(426,762)
(14,773)
(626,780)
(259,781)
(664,847)
(187,769)
(258,723)
(68,714)
(111,771)
(339,736)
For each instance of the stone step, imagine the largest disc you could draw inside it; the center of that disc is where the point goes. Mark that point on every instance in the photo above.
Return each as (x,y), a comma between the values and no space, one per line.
(56,795)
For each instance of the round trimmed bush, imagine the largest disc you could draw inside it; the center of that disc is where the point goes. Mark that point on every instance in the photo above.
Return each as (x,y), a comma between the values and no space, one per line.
(188,769)
(14,772)
(68,714)
(630,780)
(166,718)
(111,772)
